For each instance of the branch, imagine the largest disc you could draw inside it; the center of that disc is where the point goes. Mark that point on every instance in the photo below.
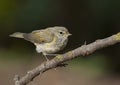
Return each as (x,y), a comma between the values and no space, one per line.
(58,60)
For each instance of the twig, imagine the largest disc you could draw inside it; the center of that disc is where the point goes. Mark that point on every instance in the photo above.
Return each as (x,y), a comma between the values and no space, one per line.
(58,60)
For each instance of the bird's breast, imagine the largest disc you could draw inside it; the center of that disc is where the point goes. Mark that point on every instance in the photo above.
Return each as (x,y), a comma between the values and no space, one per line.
(52,47)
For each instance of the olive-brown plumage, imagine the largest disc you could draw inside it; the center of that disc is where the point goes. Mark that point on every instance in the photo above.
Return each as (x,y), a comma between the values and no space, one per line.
(47,41)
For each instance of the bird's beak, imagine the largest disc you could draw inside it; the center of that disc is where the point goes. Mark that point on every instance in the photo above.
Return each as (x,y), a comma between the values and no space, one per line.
(69,34)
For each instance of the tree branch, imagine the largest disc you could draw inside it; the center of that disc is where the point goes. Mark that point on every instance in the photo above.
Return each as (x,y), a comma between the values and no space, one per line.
(58,60)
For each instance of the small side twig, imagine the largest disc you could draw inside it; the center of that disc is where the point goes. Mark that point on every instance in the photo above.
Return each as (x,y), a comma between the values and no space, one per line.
(60,59)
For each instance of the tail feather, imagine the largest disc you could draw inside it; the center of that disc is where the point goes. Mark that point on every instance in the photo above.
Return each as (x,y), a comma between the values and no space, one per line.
(17,35)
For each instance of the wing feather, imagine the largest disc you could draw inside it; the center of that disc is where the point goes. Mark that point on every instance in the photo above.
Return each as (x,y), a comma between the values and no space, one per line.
(40,36)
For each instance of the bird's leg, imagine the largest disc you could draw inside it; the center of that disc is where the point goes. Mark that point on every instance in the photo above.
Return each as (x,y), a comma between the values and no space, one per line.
(46,57)
(44,54)
(60,65)
(52,54)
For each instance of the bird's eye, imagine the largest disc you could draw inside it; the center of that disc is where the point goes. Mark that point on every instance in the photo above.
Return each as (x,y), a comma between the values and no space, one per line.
(61,32)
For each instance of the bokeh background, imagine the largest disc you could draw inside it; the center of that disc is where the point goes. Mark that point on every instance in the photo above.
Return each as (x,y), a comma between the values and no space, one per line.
(87,20)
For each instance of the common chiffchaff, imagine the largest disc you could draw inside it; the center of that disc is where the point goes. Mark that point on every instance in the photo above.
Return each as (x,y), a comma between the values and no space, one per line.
(47,41)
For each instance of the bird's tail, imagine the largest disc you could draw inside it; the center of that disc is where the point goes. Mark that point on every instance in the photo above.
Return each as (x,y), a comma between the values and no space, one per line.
(17,35)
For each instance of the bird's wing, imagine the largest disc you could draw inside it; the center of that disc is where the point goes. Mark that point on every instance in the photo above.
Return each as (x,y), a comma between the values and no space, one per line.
(40,36)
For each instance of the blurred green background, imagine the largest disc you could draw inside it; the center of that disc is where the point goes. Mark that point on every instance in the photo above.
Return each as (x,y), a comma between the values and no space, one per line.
(87,20)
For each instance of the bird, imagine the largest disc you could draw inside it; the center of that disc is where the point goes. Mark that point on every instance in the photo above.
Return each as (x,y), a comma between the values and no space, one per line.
(47,41)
